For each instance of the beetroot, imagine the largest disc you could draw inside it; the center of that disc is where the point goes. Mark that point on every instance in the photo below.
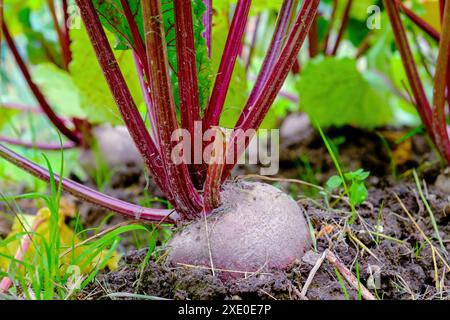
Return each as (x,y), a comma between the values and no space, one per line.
(257,228)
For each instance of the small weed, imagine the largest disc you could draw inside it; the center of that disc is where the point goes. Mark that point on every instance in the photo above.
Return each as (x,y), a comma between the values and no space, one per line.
(357,192)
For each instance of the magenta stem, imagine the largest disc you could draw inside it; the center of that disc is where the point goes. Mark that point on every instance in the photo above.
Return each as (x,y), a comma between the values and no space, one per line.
(422,24)
(38,145)
(185,198)
(122,95)
(66,31)
(187,69)
(26,108)
(343,26)
(404,48)
(211,189)
(187,78)
(21,251)
(276,45)
(330,25)
(20,107)
(275,81)
(313,39)
(229,56)
(297,67)
(52,116)
(86,194)
(146,94)
(253,42)
(138,42)
(65,46)
(440,86)
(207,23)
(289,96)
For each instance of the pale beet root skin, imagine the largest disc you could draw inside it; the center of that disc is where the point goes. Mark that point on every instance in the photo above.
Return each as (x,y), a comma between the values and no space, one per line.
(257,228)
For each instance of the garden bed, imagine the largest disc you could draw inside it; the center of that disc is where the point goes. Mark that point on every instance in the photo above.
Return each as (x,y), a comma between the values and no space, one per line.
(389,248)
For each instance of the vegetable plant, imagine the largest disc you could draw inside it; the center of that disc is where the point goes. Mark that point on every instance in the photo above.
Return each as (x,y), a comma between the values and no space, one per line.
(357,190)
(432,111)
(223,224)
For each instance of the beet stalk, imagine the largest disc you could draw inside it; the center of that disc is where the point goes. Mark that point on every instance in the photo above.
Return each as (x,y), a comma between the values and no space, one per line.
(46,108)
(230,54)
(186,199)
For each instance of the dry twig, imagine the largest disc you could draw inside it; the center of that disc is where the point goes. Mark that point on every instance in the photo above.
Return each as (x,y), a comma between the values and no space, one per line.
(348,275)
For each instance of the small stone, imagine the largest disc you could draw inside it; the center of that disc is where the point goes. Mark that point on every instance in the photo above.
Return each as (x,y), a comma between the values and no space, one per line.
(295,128)
(311,257)
(443,183)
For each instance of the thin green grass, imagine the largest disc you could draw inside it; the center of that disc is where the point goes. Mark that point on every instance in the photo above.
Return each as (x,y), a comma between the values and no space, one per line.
(342,284)
(312,232)
(430,212)
(339,170)
(359,280)
(379,226)
(48,275)
(391,156)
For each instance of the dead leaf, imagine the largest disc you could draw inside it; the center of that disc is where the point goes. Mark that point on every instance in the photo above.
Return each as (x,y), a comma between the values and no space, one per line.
(325,230)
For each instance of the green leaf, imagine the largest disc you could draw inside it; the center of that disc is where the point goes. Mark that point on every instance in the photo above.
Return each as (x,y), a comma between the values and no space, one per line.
(203,63)
(30,21)
(334,182)
(12,9)
(112,17)
(358,193)
(381,42)
(96,99)
(358,175)
(6,115)
(223,6)
(335,93)
(359,8)
(59,90)
(260,6)
(39,48)
(357,31)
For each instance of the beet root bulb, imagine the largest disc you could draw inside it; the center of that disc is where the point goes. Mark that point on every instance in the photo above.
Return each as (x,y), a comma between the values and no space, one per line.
(257,228)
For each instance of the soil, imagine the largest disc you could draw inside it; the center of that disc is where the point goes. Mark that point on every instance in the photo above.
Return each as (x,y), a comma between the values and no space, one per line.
(394,259)
(383,242)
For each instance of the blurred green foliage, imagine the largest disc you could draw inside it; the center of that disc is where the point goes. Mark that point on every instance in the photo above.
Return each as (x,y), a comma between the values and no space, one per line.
(335,93)
(368,92)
